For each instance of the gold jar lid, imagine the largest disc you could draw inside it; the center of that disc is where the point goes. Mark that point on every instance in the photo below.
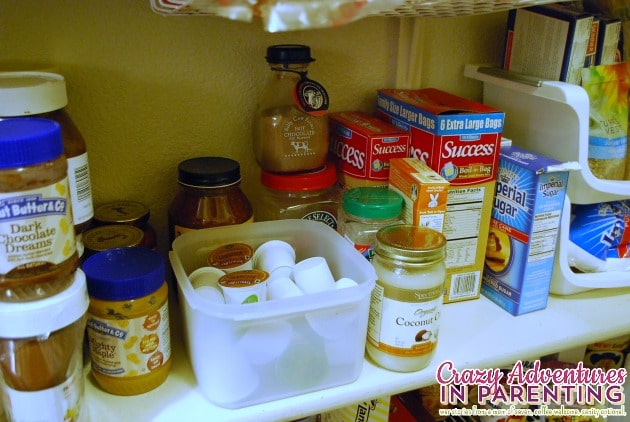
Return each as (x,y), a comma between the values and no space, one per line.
(121,212)
(412,244)
(112,236)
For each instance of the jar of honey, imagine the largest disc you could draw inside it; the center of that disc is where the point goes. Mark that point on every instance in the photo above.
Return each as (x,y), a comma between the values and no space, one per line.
(209,195)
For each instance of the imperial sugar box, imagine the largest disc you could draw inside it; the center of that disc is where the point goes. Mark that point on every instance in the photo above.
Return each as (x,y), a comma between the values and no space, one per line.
(423,190)
(524,228)
(361,146)
(460,139)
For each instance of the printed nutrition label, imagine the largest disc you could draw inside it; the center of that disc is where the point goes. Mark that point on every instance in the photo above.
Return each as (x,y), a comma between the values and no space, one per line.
(461,226)
(544,236)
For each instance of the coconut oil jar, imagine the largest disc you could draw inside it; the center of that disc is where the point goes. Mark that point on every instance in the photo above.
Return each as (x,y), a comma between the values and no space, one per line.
(407,298)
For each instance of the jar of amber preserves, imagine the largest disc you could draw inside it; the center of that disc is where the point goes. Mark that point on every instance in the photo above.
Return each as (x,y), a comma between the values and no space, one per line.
(291,125)
(43,94)
(39,255)
(128,322)
(209,196)
(131,213)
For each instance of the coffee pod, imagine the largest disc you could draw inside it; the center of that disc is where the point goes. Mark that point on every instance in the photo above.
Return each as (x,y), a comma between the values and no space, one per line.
(282,287)
(286,272)
(312,275)
(206,276)
(274,254)
(232,257)
(342,283)
(247,286)
(211,293)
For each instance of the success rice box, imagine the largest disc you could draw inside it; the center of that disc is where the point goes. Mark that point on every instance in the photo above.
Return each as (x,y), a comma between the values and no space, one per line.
(459,139)
(361,146)
(523,235)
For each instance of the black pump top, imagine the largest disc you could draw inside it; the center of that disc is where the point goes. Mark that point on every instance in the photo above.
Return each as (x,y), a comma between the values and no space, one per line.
(289,53)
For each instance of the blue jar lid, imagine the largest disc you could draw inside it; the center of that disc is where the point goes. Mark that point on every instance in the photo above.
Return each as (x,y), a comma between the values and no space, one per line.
(372,202)
(27,141)
(124,273)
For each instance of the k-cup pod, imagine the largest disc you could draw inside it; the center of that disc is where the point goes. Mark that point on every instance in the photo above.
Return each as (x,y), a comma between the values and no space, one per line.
(232,257)
(246,286)
(312,275)
(211,293)
(282,287)
(206,276)
(274,337)
(342,283)
(274,254)
(286,272)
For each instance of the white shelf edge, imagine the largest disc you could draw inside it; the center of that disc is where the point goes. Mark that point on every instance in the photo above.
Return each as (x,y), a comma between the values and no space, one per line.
(473,334)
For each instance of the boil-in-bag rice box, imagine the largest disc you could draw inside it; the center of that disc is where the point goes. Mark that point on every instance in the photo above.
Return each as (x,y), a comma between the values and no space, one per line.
(361,146)
(459,139)
(524,229)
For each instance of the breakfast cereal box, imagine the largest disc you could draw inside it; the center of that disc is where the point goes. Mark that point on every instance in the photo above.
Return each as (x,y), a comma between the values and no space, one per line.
(361,146)
(423,190)
(524,227)
(459,139)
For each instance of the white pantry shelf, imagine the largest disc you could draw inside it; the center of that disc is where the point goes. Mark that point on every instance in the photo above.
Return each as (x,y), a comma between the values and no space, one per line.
(473,334)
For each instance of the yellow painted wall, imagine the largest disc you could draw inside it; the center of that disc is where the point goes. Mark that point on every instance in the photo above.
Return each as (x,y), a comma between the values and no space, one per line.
(149,91)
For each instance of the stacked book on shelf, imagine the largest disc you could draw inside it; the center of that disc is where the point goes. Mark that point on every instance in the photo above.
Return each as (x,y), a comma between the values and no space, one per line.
(555,41)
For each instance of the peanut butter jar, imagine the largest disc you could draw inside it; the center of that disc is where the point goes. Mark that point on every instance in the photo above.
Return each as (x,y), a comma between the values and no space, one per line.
(37,239)
(41,356)
(128,322)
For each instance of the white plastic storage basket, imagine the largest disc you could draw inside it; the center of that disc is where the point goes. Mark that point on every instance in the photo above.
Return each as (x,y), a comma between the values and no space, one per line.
(253,353)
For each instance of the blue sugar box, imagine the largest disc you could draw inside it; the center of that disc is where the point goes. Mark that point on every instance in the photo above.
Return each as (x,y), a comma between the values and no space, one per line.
(524,227)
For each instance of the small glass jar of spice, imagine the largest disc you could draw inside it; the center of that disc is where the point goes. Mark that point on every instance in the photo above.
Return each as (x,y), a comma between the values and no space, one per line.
(130,213)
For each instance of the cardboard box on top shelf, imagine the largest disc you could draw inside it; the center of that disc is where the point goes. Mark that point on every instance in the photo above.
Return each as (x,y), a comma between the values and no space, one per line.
(459,139)
(524,229)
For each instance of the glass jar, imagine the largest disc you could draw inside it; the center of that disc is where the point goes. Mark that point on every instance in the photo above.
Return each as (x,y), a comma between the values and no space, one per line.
(102,238)
(310,196)
(39,254)
(364,211)
(291,125)
(407,299)
(43,94)
(41,356)
(130,213)
(128,322)
(209,196)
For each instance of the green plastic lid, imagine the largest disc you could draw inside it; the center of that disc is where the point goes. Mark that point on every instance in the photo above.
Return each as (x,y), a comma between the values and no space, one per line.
(372,202)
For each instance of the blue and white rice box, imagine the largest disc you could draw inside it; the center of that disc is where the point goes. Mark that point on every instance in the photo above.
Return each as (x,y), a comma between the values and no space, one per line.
(524,228)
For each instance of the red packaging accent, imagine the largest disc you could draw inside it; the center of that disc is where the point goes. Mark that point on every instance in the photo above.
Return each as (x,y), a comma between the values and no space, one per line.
(361,144)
